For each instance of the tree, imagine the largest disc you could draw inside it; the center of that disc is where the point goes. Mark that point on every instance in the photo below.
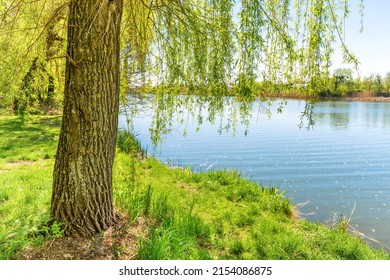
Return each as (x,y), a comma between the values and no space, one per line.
(82,181)
(342,81)
(387,82)
(368,83)
(378,84)
(202,46)
(32,40)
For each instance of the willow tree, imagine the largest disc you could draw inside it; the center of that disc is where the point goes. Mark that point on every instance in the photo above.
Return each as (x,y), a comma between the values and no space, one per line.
(82,183)
(203,46)
(32,40)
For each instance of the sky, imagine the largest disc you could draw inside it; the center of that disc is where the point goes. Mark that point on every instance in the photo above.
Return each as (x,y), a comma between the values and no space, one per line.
(372,46)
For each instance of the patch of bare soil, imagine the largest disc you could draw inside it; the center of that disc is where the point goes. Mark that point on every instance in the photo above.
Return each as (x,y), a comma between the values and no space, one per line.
(15,163)
(18,163)
(119,242)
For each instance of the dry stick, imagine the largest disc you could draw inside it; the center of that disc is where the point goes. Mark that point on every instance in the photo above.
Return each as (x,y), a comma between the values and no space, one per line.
(74,63)
(9,9)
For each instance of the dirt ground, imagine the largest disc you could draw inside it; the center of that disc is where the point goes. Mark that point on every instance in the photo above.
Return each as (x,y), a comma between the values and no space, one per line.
(118,242)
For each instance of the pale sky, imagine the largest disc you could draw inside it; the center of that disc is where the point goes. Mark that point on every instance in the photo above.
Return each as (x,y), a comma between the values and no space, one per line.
(372,46)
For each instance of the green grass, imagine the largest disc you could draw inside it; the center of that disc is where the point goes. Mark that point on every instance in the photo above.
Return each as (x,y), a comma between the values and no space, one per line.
(28,139)
(213,215)
(27,148)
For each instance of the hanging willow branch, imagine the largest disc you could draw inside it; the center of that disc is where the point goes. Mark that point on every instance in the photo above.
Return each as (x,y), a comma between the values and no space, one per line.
(208,48)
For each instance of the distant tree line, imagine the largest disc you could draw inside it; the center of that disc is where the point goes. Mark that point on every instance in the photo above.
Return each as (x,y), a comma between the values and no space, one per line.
(342,83)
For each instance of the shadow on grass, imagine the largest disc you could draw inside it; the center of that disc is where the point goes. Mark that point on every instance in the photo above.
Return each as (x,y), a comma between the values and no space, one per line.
(31,139)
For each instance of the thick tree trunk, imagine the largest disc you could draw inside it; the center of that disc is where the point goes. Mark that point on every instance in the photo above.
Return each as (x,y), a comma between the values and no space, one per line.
(82,185)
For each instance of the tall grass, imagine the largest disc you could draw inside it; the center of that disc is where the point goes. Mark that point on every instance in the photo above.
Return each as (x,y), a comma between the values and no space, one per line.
(173,232)
(178,235)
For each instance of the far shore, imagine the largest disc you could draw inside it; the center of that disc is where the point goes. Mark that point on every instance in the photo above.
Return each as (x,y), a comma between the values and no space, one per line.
(356,96)
(367,97)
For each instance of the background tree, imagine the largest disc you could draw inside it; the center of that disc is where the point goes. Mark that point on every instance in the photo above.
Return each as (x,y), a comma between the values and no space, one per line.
(378,84)
(342,81)
(32,41)
(357,82)
(368,83)
(387,82)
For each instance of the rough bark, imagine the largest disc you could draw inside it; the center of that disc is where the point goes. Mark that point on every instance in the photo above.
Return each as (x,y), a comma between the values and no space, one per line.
(82,179)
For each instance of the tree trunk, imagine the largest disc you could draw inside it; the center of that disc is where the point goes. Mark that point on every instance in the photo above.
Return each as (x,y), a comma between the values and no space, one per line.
(82,179)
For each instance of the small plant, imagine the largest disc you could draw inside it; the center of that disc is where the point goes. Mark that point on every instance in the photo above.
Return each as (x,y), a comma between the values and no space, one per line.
(272,191)
(52,230)
(117,250)
(147,199)
(161,209)
(3,197)
(344,223)
(57,230)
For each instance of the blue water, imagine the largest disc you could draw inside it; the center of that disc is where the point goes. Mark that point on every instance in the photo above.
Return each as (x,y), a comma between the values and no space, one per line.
(339,166)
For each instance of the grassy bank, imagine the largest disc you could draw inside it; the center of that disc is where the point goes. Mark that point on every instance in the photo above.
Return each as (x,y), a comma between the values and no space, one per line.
(185,215)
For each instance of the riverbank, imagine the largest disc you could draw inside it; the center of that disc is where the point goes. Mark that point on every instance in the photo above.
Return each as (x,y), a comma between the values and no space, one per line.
(355,96)
(366,97)
(166,213)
